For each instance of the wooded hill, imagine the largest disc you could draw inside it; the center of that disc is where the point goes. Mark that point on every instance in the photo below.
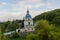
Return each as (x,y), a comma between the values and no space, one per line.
(52,16)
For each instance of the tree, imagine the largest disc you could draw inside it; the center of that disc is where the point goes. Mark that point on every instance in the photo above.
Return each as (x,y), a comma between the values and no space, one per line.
(45,31)
(32,37)
(52,16)
(1,33)
(15,35)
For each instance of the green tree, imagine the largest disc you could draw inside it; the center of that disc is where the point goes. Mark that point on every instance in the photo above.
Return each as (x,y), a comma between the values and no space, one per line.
(52,16)
(32,37)
(1,33)
(15,35)
(45,31)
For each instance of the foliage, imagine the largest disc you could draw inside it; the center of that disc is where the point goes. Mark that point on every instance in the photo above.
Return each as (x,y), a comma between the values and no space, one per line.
(52,16)
(15,35)
(0,33)
(31,37)
(12,26)
(45,31)
(9,26)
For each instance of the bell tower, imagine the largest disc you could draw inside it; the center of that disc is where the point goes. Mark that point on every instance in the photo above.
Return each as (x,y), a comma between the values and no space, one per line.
(28,22)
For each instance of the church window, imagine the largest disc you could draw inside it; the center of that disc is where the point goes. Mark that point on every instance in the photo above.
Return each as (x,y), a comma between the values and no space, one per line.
(29,23)
(18,30)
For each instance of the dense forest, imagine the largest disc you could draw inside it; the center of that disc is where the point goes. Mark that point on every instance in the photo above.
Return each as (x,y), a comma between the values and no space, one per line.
(10,25)
(52,16)
(47,27)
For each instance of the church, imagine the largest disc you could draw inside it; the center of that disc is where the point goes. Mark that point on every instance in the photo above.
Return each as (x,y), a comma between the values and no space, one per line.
(28,24)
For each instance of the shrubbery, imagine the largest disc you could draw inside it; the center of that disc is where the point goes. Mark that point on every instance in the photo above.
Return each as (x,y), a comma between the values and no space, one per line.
(15,35)
(44,31)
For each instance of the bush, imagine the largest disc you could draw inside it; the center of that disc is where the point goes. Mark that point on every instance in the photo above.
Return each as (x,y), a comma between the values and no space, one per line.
(15,35)
(45,31)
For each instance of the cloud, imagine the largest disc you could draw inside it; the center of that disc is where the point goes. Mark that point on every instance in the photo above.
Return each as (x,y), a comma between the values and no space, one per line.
(5,16)
(17,9)
(3,3)
(49,5)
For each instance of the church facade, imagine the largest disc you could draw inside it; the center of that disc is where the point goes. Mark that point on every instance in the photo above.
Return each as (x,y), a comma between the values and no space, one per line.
(28,24)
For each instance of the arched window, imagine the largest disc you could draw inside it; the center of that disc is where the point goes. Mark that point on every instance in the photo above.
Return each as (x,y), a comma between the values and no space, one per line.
(29,23)
(18,30)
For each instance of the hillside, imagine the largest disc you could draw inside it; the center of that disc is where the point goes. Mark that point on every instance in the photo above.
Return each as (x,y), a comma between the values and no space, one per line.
(52,16)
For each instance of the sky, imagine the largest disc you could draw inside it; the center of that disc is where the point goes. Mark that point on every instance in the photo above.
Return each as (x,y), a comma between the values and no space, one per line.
(16,9)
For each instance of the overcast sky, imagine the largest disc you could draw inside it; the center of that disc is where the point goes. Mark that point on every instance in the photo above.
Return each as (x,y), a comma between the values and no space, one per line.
(16,9)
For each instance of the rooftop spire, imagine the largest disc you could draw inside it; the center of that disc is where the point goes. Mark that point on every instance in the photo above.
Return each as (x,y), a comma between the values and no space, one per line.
(27,10)
(28,15)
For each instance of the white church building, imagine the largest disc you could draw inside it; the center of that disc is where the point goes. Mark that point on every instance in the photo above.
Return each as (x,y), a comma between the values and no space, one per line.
(28,24)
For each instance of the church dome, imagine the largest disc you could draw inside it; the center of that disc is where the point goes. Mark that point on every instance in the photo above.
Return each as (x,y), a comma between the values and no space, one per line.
(28,15)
